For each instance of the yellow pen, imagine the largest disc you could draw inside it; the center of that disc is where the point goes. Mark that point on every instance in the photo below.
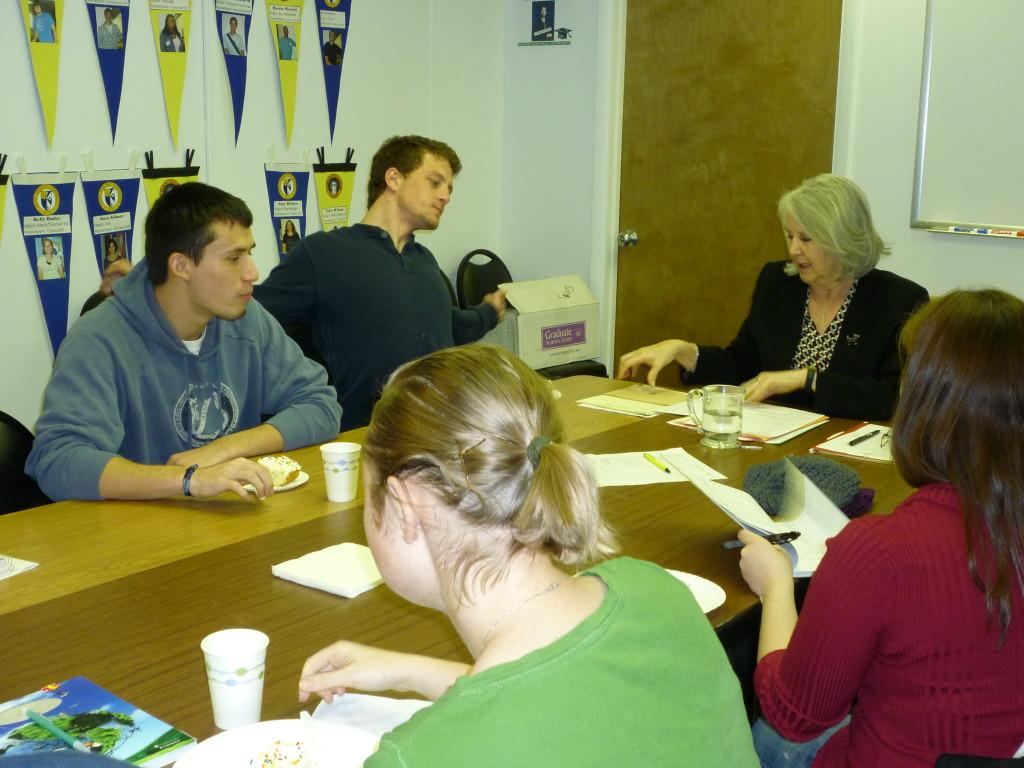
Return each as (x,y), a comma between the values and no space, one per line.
(654,460)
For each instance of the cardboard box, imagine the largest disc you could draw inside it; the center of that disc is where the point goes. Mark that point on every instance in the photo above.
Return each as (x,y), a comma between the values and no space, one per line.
(549,322)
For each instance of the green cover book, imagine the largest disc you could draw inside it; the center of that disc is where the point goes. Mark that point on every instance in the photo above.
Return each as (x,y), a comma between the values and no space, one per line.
(92,715)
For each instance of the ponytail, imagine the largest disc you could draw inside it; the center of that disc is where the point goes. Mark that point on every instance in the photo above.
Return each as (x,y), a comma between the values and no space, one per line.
(561,511)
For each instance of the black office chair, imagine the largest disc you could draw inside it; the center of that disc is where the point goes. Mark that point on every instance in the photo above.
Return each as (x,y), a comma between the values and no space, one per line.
(17,490)
(475,279)
(451,288)
(577,368)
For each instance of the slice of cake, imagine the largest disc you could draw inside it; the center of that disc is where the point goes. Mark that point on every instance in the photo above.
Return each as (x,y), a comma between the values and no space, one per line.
(282,469)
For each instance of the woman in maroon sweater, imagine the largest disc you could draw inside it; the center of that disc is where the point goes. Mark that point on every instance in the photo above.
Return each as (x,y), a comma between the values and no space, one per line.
(910,643)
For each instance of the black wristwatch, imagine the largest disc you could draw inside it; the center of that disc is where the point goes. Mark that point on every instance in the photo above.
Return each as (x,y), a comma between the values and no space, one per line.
(812,374)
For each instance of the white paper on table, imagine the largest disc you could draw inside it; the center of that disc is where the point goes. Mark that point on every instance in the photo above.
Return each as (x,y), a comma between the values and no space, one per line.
(805,509)
(767,423)
(639,400)
(871,449)
(619,405)
(343,569)
(679,409)
(373,714)
(633,469)
(12,566)
(648,395)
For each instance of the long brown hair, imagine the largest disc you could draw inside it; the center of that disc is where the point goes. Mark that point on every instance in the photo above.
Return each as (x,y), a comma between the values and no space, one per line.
(461,421)
(960,420)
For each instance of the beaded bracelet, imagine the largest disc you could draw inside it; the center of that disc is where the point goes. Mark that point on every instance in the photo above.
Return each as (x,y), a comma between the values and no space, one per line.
(186,481)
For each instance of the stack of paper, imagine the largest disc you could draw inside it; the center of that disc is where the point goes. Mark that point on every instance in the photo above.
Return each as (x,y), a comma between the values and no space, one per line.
(344,569)
(639,400)
(805,509)
(868,441)
(767,423)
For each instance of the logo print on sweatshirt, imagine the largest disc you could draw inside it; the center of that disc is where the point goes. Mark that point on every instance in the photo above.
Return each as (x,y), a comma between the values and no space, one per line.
(205,412)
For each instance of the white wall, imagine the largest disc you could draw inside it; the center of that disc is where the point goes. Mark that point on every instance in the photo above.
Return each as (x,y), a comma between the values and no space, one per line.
(876,140)
(562,118)
(433,67)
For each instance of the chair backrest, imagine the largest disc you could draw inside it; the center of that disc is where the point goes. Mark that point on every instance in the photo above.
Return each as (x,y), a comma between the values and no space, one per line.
(17,490)
(475,280)
(450,287)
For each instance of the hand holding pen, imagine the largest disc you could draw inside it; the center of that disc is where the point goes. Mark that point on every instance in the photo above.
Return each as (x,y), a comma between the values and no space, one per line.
(771,538)
(767,569)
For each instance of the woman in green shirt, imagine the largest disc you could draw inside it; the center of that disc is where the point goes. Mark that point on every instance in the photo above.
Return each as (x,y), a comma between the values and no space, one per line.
(477,507)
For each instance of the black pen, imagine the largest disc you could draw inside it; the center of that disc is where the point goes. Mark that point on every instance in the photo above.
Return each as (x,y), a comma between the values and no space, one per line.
(862,438)
(771,538)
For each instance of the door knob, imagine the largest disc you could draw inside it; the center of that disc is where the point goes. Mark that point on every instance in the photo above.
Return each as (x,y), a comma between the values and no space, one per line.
(628,238)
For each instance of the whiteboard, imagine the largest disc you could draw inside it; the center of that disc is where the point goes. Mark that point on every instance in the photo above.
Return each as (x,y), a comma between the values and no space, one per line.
(970,144)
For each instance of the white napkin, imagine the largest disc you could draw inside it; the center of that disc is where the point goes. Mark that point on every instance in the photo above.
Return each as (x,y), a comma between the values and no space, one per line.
(373,714)
(9,566)
(344,569)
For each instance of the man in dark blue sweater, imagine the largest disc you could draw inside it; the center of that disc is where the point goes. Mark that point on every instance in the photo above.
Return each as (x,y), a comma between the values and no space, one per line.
(374,297)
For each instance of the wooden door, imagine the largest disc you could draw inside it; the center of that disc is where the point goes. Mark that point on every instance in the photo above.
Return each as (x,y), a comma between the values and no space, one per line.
(727,105)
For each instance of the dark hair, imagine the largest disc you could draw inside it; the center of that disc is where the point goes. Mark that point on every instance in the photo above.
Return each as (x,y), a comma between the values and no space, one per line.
(960,420)
(463,422)
(181,221)
(405,153)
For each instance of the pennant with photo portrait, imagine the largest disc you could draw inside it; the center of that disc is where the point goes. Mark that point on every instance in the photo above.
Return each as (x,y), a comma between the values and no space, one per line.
(285,19)
(233,21)
(110,198)
(45,208)
(334,182)
(156,181)
(332,19)
(43,19)
(171,34)
(109,22)
(286,188)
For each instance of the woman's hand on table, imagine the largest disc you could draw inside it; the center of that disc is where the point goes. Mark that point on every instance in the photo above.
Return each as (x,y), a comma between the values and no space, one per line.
(656,357)
(345,665)
(771,383)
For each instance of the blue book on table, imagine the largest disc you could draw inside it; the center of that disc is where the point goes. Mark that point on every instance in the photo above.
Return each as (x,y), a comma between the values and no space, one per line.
(92,715)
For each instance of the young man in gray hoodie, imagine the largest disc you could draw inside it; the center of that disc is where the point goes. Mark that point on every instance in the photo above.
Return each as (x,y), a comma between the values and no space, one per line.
(166,387)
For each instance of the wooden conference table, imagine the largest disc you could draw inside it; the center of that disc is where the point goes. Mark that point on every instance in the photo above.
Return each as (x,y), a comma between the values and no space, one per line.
(124,591)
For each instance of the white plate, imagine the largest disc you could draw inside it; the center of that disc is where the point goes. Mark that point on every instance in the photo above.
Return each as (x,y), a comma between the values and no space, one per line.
(708,594)
(302,479)
(338,746)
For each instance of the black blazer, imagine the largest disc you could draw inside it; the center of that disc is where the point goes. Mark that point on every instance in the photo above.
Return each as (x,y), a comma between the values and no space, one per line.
(862,379)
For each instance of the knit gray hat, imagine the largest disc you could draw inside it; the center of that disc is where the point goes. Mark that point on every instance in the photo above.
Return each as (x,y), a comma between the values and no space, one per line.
(767,482)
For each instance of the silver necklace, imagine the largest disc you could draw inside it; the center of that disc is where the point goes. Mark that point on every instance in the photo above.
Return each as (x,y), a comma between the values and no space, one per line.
(509,613)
